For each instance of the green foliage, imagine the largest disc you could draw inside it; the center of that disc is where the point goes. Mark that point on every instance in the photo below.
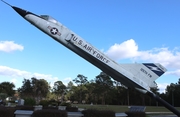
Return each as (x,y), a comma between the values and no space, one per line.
(34,88)
(135,114)
(49,113)
(29,101)
(101,90)
(7,88)
(53,102)
(104,85)
(59,87)
(24,107)
(81,81)
(69,85)
(172,94)
(3,96)
(26,89)
(44,103)
(98,113)
(65,104)
(11,101)
(72,109)
(51,96)
(50,107)
(40,87)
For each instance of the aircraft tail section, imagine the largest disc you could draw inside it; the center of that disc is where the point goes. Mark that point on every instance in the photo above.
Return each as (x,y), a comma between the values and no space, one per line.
(156,68)
(146,72)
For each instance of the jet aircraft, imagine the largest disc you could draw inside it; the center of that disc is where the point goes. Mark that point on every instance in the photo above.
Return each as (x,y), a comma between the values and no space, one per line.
(140,76)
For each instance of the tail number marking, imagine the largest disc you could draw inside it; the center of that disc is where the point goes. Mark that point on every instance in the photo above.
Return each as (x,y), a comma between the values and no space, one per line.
(146,73)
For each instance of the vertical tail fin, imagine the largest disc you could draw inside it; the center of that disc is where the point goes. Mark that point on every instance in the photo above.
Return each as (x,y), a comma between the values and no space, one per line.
(147,72)
(155,68)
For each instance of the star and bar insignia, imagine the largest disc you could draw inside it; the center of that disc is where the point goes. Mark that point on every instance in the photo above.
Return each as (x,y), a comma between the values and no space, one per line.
(54,31)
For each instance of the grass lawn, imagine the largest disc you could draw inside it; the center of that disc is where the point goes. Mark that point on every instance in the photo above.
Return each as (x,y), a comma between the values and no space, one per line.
(119,108)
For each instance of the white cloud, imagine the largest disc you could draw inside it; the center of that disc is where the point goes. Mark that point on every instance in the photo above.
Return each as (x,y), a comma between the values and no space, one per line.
(7,71)
(129,50)
(176,72)
(14,80)
(16,73)
(162,87)
(166,57)
(66,80)
(9,46)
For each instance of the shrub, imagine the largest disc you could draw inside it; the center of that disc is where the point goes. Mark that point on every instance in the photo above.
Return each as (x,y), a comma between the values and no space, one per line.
(21,107)
(54,104)
(65,104)
(3,112)
(44,103)
(54,108)
(11,101)
(7,112)
(29,101)
(49,113)
(72,109)
(98,113)
(135,114)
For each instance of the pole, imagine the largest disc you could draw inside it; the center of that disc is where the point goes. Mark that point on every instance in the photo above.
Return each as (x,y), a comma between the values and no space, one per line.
(163,102)
(172,98)
(128,96)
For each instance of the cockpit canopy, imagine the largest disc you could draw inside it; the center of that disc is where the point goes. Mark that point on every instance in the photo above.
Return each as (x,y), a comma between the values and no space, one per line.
(49,18)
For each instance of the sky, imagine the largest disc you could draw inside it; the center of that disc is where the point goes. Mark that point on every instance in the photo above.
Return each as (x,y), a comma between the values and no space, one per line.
(128,31)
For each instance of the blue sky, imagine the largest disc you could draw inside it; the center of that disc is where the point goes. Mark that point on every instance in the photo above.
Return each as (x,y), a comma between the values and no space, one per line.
(140,31)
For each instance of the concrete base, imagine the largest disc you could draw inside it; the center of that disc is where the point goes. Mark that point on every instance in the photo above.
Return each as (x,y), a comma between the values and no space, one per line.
(75,114)
(23,113)
(26,113)
(120,115)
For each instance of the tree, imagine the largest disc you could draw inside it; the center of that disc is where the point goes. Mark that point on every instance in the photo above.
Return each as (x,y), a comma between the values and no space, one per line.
(155,91)
(36,88)
(26,90)
(7,88)
(70,85)
(91,96)
(122,94)
(69,94)
(173,93)
(40,88)
(104,84)
(59,89)
(80,80)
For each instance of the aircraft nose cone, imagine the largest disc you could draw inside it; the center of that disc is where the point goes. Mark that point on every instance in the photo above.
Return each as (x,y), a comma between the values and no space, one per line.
(20,11)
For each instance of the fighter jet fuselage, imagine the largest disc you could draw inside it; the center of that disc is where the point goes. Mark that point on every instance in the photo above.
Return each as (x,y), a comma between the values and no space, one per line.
(140,76)
(131,75)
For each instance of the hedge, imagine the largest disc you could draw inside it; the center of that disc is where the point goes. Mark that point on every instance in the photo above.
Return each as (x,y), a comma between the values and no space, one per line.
(7,111)
(49,113)
(136,114)
(98,113)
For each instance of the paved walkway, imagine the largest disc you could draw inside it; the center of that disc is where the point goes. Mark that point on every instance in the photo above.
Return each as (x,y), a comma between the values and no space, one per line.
(161,114)
(164,116)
